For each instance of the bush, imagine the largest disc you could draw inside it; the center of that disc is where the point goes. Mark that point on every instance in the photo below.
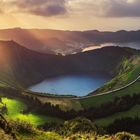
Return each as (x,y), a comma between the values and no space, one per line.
(124,136)
(22,127)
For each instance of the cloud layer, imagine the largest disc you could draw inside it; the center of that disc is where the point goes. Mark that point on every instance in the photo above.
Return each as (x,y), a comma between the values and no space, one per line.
(106,8)
(121,8)
(36,7)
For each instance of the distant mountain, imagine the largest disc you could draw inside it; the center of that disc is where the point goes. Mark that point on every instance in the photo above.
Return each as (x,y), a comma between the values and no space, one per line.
(65,42)
(19,65)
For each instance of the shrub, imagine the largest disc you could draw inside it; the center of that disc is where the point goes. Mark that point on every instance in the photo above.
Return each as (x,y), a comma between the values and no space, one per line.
(22,127)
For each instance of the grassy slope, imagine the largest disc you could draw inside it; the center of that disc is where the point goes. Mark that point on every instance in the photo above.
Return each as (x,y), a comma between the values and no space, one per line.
(133,112)
(128,70)
(98,100)
(64,104)
(15,109)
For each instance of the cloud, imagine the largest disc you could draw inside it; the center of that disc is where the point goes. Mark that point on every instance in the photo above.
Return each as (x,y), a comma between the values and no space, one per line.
(36,7)
(95,8)
(108,8)
(120,8)
(1,12)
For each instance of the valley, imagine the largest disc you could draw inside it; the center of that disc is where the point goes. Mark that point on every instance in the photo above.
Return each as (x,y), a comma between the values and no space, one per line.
(69,42)
(41,109)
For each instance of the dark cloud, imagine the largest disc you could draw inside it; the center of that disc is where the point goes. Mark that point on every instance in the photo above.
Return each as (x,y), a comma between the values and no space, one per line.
(38,7)
(121,8)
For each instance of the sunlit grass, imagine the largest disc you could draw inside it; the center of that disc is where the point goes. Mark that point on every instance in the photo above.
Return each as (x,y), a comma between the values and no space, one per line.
(15,107)
(15,111)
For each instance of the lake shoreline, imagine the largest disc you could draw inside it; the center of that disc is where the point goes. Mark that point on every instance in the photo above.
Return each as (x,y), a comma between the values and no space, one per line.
(80,83)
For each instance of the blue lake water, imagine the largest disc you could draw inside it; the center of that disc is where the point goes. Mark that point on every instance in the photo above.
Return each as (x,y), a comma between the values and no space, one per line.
(74,84)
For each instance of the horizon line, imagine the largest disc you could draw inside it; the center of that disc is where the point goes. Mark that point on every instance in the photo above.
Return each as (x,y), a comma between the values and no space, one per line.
(10,28)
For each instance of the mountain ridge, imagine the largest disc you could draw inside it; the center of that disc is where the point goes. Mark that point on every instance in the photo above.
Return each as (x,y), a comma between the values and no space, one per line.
(29,67)
(65,42)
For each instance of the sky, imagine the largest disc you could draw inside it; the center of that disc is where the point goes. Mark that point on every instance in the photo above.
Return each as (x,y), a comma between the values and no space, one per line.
(103,15)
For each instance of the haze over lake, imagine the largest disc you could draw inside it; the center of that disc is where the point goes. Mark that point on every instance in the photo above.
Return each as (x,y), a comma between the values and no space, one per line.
(73,84)
(134,45)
